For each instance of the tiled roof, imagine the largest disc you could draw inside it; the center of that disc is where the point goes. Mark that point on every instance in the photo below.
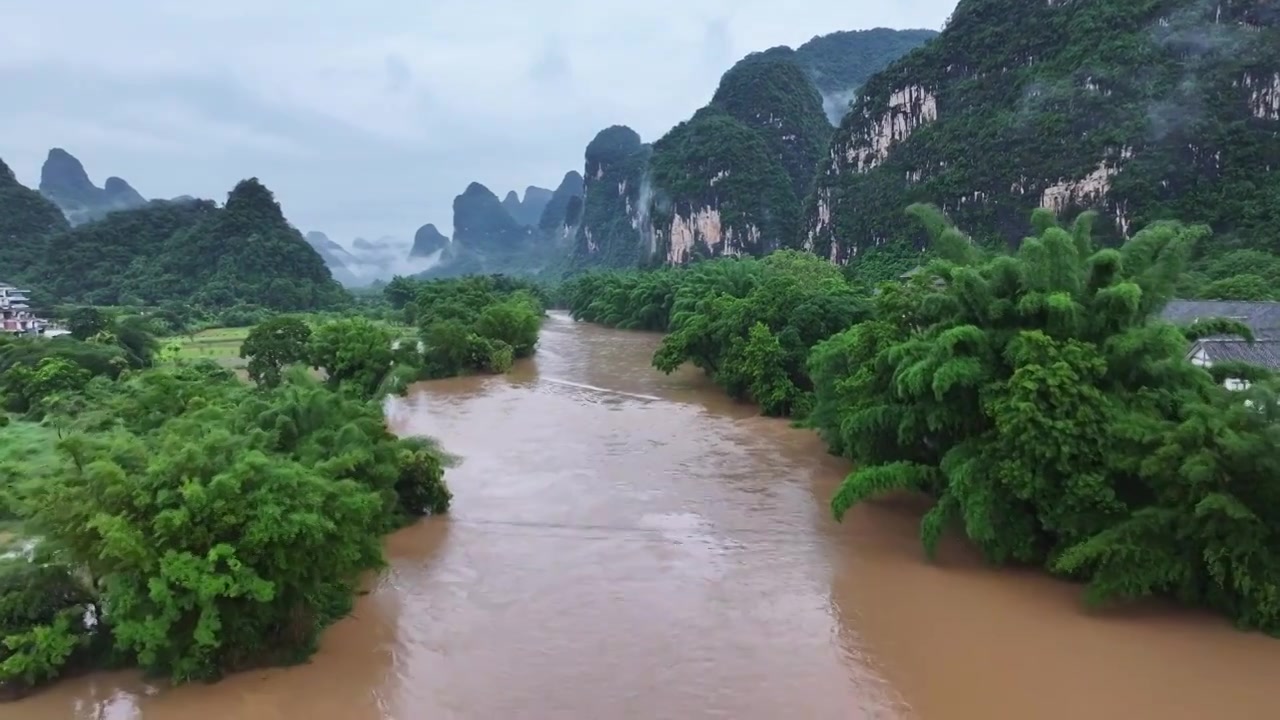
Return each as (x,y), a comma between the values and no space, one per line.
(1263,318)
(1263,353)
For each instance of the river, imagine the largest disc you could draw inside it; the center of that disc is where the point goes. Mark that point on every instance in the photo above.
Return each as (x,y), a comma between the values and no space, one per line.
(625,544)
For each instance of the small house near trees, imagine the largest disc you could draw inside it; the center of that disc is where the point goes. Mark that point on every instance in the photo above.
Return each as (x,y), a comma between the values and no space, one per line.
(1262,319)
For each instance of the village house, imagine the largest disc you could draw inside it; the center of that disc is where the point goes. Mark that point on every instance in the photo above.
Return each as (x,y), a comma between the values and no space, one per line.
(16,315)
(1262,318)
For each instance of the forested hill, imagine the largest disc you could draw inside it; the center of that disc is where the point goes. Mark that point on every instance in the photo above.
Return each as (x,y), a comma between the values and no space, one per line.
(64,181)
(1142,109)
(731,179)
(24,214)
(192,252)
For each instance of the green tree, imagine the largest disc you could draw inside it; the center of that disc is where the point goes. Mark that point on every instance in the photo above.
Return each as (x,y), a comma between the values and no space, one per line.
(85,322)
(272,345)
(354,353)
(1050,415)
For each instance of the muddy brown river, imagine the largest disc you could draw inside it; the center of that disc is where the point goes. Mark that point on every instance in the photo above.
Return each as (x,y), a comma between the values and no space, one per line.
(625,544)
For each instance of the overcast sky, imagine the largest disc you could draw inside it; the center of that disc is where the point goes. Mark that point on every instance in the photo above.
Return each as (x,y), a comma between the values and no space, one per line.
(367,118)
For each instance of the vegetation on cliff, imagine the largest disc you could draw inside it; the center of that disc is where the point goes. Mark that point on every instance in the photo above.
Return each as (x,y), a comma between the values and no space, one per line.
(1141,109)
(1035,396)
(731,179)
(24,215)
(615,201)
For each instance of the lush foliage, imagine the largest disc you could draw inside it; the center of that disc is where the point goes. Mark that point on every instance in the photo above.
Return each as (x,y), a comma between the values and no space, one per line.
(274,345)
(24,214)
(191,523)
(1055,421)
(1161,102)
(1035,396)
(188,252)
(471,324)
(749,324)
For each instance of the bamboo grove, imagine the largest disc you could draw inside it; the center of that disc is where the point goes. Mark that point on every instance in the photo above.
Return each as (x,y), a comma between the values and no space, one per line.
(167,514)
(1035,396)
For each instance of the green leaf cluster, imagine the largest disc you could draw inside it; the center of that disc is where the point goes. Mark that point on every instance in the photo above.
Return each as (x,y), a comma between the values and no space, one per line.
(1053,418)
(198,526)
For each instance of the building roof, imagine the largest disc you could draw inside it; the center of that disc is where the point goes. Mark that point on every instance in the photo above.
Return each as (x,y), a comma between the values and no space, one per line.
(1263,353)
(1263,318)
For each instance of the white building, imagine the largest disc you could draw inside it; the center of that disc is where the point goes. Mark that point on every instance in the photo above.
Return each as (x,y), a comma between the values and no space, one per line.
(15,312)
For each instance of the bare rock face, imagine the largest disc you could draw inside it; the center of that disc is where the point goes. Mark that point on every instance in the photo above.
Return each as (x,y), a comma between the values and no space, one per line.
(64,181)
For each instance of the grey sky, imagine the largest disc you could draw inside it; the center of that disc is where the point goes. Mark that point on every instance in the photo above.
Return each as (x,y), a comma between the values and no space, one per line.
(368,118)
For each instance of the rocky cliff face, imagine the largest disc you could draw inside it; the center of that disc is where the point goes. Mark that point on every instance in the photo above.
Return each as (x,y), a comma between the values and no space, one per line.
(64,181)
(615,229)
(1141,109)
(839,63)
(730,180)
(563,213)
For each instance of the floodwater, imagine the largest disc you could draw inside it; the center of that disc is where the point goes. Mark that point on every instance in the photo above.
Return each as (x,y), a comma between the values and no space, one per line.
(625,544)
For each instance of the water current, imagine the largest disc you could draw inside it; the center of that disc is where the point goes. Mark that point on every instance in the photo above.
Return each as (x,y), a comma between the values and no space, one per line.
(625,544)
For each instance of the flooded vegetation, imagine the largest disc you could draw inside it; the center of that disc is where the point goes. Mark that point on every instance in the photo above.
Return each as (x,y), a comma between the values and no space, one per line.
(628,544)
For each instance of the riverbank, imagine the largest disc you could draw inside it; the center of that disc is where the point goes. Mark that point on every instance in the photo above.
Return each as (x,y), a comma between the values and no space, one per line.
(624,543)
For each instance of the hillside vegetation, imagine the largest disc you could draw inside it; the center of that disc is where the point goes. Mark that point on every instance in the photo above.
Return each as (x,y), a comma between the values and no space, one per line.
(1140,109)
(192,252)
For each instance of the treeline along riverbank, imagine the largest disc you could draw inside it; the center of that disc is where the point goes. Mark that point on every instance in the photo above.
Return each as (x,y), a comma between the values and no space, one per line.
(1035,397)
(165,514)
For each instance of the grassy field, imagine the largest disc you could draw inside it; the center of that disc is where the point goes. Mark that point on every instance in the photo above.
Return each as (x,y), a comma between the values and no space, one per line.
(221,345)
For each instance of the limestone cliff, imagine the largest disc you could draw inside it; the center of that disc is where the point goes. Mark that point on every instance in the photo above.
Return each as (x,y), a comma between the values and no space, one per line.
(615,230)
(731,179)
(563,213)
(64,181)
(428,241)
(1141,109)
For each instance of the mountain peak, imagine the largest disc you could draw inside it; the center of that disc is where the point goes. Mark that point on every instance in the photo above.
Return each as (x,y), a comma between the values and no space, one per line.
(250,204)
(64,181)
(427,240)
(62,174)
